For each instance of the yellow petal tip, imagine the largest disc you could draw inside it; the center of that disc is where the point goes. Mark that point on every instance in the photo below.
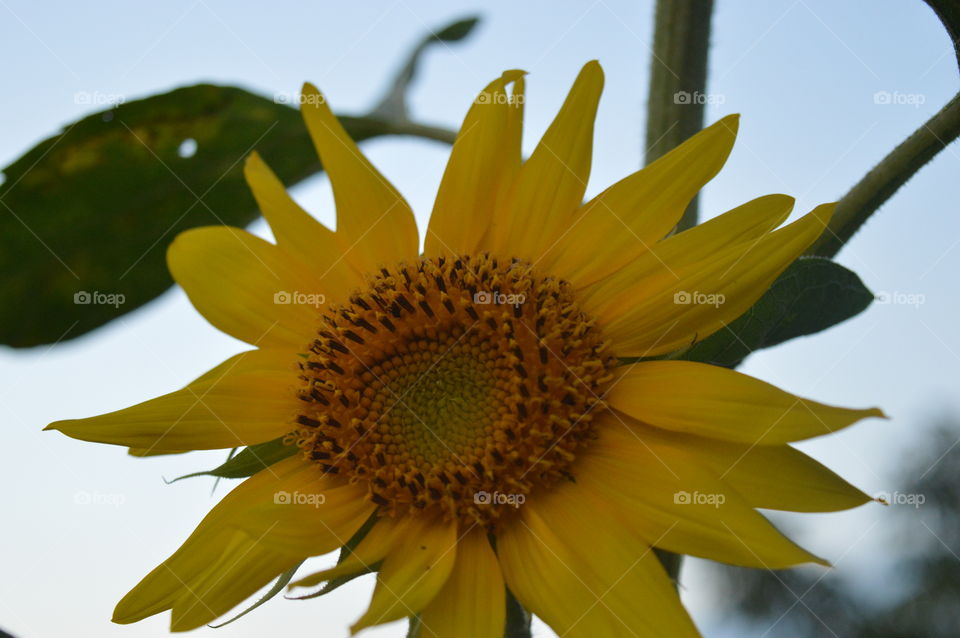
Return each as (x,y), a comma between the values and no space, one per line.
(314,95)
(729,122)
(253,160)
(594,69)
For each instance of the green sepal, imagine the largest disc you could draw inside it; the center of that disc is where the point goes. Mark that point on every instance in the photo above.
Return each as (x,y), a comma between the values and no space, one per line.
(249,461)
(278,586)
(345,551)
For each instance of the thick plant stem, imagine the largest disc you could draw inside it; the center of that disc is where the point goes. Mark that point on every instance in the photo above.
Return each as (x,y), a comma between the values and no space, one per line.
(678,78)
(887,177)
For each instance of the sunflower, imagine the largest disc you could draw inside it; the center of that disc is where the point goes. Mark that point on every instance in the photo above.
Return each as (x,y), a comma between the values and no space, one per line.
(504,411)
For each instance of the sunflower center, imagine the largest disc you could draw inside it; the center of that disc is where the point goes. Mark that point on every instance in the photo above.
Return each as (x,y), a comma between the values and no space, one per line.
(455,385)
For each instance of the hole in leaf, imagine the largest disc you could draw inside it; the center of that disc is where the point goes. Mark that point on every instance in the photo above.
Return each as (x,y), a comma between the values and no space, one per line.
(188,148)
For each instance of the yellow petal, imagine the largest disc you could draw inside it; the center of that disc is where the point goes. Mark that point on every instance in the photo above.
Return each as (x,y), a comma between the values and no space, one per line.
(710,401)
(237,281)
(248,399)
(472,602)
(672,498)
(242,569)
(513,143)
(746,223)
(298,234)
(550,185)
(373,548)
(290,508)
(574,564)
(374,223)
(482,166)
(628,218)
(802,484)
(413,572)
(648,308)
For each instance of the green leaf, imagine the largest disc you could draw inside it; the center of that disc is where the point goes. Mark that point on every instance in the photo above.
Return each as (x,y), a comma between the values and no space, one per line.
(86,216)
(216,481)
(949,13)
(457,30)
(278,586)
(249,461)
(811,295)
(91,210)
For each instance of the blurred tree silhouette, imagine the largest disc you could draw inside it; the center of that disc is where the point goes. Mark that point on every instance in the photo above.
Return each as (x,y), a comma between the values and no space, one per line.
(922,603)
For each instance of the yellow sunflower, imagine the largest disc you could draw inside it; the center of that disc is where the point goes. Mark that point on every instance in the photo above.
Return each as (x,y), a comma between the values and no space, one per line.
(470,404)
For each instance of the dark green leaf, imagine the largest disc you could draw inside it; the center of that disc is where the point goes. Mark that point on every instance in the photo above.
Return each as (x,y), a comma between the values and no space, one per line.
(249,461)
(949,13)
(456,31)
(278,586)
(216,481)
(811,295)
(86,216)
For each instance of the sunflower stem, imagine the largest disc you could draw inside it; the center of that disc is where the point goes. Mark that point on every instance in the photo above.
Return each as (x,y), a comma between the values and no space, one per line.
(678,79)
(893,171)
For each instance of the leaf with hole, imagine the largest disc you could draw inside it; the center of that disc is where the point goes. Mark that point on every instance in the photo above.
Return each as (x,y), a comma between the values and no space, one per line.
(86,215)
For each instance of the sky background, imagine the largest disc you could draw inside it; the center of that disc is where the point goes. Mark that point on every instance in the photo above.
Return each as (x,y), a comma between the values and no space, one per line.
(803,73)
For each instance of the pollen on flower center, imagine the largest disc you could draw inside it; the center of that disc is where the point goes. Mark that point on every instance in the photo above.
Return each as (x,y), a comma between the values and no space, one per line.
(455,385)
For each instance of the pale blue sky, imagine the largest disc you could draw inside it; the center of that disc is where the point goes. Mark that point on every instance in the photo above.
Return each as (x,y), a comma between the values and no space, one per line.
(803,74)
